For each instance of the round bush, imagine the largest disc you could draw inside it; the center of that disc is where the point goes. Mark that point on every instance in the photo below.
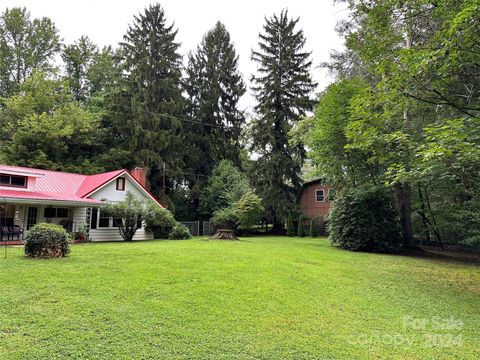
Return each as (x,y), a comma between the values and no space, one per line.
(159,221)
(46,241)
(179,232)
(365,219)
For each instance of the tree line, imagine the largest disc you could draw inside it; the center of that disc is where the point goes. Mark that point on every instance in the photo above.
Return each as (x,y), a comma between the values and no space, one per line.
(136,104)
(404,114)
(401,119)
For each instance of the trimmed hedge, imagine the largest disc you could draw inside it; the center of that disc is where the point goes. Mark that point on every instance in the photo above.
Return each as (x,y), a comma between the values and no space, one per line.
(365,219)
(46,241)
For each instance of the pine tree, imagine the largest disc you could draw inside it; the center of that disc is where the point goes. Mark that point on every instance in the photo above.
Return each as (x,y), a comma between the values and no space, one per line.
(148,100)
(313,232)
(301,226)
(214,86)
(290,226)
(282,89)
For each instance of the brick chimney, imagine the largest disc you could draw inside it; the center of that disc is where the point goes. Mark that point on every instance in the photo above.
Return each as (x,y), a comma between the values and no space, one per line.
(140,174)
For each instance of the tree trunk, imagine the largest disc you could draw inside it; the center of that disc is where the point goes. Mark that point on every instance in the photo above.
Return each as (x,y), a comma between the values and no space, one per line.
(224,234)
(423,215)
(403,195)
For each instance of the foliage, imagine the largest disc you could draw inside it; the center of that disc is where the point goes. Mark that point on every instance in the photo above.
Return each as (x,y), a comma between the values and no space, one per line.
(148,98)
(159,221)
(226,218)
(179,232)
(130,212)
(282,89)
(290,226)
(214,87)
(301,226)
(44,127)
(365,219)
(46,241)
(249,210)
(225,186)
(313,231)
(25,45)
(404,109)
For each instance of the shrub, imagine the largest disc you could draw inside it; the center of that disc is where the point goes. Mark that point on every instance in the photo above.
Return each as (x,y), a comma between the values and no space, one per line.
(301,225)
(313,227)
(179,232)
(131,211)
(249,210)
(290,226)
(159,221)
(365,219)
(46,241)
(225,218)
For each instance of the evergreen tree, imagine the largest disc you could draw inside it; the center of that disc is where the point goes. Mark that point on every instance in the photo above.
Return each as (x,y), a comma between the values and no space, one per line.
(290,226)
(301,226)
(282,88)
(313,232)
(214,86)
(148,101)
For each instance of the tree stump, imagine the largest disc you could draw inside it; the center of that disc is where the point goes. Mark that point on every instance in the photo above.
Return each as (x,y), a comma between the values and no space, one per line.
(224,234)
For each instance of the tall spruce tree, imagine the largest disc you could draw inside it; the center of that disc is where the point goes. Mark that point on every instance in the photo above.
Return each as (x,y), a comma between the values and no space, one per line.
(148,101)
(214,86)
(282,88)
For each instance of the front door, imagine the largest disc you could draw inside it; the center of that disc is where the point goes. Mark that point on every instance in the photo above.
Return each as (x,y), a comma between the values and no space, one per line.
(32,215)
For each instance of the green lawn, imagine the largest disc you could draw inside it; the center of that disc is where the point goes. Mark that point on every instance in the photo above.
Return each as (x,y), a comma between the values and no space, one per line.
(264,297)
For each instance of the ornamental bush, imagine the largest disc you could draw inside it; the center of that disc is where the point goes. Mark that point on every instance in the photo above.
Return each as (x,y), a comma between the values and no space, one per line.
(179,232)
(46,241)
(365,219)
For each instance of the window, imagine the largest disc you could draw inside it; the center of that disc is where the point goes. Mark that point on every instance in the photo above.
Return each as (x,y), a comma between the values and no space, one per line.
(319,196)
(62,213)
(55,213)
(93,221)
(103,221)
(49,212)
(12,180)
(121,184)
(117,222)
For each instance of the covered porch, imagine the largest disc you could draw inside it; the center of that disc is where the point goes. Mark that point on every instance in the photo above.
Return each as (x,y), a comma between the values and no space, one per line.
(16,218)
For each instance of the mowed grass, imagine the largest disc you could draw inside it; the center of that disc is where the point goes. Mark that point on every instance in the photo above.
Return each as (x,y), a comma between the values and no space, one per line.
(259,298)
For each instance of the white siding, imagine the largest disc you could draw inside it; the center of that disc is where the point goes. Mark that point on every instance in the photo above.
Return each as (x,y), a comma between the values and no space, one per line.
(112,234)
(111,194)
(79,218)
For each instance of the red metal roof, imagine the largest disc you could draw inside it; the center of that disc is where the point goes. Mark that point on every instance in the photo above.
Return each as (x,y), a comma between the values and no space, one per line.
(93,182)
(61,186)
(37,195)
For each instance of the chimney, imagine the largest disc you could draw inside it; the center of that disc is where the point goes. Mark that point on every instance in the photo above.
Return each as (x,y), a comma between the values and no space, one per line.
(140,174)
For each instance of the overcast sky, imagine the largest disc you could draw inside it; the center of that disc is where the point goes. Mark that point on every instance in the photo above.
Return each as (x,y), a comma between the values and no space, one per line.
(106,21)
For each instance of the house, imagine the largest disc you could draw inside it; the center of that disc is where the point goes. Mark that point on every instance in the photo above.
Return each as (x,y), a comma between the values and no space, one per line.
(315,199)
(30,196)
